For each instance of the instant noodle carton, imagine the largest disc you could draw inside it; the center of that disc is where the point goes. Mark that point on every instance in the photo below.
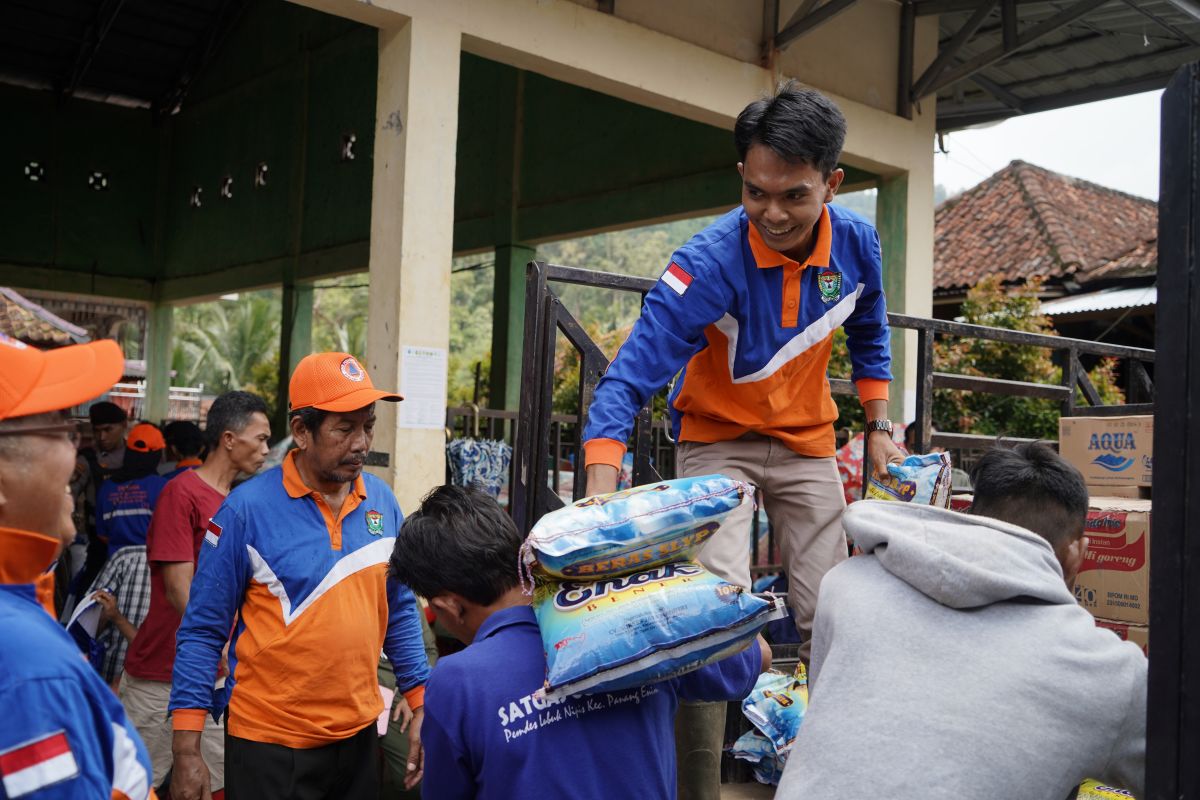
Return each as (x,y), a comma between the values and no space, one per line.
(1109,451)
(1114,582)
(1138,634)
(1095,790)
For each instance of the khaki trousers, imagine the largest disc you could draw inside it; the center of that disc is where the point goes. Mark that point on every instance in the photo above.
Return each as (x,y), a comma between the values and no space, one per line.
(804,501)
(146,706)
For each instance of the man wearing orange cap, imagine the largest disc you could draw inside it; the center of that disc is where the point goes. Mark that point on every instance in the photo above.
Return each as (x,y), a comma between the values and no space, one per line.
(298,556)
(64,734)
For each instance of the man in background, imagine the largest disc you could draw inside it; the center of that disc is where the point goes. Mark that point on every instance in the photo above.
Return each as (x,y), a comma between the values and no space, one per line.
(185,445)
(238,429)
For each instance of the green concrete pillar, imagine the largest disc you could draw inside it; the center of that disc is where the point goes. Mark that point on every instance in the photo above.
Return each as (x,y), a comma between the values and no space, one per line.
(891,220)
(158,363)
(508,324)
(295,342)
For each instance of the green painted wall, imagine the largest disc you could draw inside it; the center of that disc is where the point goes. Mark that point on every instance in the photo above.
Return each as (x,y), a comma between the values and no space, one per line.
(285,88)
(61,221)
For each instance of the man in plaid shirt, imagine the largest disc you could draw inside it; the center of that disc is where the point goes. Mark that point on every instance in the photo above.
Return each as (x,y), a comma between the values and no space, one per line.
(123,590)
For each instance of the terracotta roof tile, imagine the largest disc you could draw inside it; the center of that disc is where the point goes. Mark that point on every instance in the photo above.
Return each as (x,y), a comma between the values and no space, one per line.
(1027,221)
(21,318)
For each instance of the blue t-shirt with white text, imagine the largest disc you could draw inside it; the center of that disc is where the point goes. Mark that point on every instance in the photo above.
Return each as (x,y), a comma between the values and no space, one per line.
(487,736)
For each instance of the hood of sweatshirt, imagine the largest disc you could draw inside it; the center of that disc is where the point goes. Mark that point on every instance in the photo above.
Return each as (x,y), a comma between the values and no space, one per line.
(959,560)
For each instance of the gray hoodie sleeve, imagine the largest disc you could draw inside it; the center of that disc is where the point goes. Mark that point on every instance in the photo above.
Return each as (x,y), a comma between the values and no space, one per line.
(1127,762)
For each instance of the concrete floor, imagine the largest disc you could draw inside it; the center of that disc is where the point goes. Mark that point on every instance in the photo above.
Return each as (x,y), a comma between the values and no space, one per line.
(747,791)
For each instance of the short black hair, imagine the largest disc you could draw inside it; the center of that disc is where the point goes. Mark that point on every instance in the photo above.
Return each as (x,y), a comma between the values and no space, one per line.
(310,417)
(801,125)
(231,412)
(106,413)
(1034,487)
(184,437)
(460,541)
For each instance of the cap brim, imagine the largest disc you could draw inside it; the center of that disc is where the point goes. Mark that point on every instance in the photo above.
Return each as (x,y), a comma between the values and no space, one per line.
(73,375)
(359,398)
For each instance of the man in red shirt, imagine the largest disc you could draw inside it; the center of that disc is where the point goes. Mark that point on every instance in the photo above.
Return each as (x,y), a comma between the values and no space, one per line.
(237,429)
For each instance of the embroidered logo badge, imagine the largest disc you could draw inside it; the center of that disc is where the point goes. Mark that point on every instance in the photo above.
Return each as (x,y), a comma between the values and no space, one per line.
(830,284)
(374,523)
(352,369)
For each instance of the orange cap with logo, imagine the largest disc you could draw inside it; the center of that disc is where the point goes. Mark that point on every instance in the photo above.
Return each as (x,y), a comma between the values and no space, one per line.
(333,382)
(145,438)
(36,381)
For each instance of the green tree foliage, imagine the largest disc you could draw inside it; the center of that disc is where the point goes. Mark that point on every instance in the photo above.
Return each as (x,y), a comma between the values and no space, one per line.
(229,344)
(1013,308)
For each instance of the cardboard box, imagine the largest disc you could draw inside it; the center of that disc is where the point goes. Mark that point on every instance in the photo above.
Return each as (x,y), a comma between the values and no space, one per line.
(1114,582)
(1138,634)
(961,502)
(1126,492)
(1109,451)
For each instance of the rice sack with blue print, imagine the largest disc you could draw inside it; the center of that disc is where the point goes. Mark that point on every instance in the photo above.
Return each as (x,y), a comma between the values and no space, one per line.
(634,529)
(630,630)
(925,480)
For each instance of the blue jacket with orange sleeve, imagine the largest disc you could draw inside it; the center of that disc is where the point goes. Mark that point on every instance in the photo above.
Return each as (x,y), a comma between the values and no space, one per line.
(64,733)
(314,606)
(753,331)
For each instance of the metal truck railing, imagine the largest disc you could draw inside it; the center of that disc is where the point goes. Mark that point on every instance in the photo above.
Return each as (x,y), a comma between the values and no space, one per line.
(537,438)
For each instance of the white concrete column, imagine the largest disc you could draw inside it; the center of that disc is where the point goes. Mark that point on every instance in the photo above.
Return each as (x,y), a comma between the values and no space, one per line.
(412,232)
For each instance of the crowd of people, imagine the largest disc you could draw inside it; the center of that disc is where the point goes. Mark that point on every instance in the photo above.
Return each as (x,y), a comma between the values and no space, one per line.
(243,612)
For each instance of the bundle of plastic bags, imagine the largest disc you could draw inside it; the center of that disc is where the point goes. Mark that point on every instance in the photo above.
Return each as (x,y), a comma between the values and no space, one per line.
(925,480)
(618,601)
(776,708)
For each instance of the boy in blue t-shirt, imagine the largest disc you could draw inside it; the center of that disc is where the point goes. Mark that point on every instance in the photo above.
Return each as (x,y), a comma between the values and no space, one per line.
(485,735)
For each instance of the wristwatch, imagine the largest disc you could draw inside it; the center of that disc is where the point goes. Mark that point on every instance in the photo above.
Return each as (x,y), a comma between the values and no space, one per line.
(879,425)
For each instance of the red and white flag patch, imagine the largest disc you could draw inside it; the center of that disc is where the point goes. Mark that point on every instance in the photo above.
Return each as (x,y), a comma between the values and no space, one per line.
(677,278)
(213,533)
(35,765)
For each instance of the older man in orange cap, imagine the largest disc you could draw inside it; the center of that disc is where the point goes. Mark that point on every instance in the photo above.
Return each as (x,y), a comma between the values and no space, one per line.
(298,557)
(64,734)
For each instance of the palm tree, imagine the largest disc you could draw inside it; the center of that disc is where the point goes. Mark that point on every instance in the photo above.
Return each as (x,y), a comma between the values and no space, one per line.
(222,343)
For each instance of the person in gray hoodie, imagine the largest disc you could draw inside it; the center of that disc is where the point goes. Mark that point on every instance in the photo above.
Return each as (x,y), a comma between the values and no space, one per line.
(952,661)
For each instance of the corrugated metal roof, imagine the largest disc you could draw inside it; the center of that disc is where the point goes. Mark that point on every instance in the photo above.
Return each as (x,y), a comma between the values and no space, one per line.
(1120,47)
(1107,300)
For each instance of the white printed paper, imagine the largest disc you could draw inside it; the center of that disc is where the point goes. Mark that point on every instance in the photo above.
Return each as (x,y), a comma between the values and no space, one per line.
(423,384)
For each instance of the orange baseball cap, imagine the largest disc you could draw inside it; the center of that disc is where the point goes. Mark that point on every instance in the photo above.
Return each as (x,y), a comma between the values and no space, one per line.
(333,382)
(145,438)
(34,381)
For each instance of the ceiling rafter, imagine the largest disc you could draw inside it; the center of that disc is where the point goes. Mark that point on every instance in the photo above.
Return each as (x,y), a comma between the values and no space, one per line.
(93,37)
(810,21)
(200,56)
(999,52)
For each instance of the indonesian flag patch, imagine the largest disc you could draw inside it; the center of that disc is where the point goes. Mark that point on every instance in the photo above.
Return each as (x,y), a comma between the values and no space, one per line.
(212,534)
(677,278)
(35,765)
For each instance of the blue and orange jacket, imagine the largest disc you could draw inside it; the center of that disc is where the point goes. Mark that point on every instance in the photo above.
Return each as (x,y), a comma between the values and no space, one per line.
(753,331)
(314,606)
(64,734)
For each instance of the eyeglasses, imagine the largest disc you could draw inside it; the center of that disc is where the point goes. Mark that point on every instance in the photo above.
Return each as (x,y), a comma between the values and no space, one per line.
(69,427)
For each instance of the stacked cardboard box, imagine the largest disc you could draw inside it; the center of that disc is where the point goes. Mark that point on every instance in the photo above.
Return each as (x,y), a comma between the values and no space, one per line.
(1116,457)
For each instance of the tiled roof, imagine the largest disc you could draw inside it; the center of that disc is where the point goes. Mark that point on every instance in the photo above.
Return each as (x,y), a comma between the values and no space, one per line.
(1026,221)
(21,318)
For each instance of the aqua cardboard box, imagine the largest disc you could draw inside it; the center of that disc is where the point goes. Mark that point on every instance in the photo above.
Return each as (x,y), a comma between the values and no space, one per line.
(1109,451)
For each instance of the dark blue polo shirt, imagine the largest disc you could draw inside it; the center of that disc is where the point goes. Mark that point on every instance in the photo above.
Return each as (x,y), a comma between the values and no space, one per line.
(486,736)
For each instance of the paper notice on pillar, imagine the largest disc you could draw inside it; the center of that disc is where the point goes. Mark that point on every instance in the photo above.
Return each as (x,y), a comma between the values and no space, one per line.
(423,384)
